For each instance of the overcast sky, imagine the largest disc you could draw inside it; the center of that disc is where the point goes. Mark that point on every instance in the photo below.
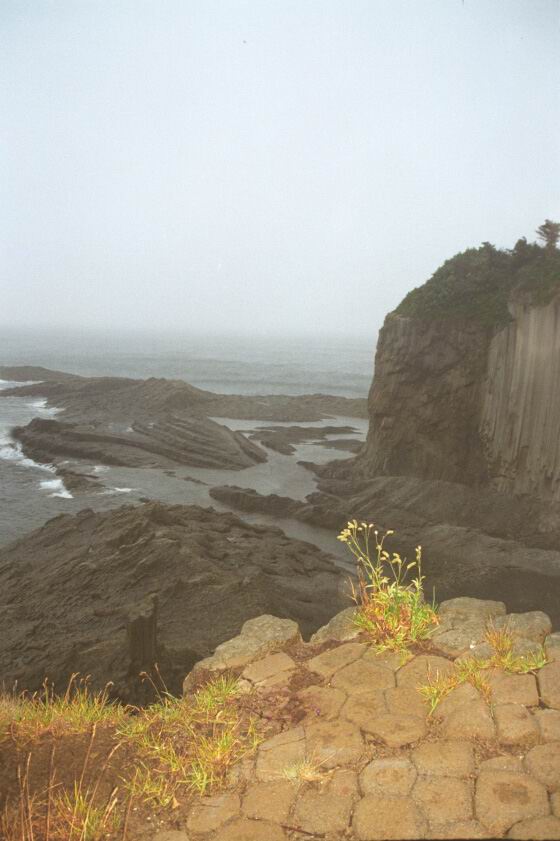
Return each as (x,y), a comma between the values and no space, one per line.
(264,165)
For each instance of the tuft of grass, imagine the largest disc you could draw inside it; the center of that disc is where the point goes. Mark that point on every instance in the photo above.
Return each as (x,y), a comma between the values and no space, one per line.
(391,608)
(502,641)
(304,771)
(189,743)
(472,669)
(29,716)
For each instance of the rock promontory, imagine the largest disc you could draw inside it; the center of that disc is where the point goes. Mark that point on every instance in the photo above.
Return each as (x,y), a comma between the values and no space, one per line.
(91,592)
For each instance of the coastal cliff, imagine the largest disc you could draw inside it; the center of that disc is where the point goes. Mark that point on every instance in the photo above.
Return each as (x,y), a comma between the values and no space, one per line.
(469,393)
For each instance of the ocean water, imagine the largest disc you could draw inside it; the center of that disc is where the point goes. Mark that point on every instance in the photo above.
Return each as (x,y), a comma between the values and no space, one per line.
(226,364)
(30,493)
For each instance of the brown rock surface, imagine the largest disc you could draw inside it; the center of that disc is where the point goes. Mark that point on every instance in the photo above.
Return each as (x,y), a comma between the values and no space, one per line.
(503,798)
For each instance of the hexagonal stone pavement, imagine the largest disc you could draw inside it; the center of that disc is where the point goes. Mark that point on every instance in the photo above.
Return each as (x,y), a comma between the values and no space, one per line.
(363,759)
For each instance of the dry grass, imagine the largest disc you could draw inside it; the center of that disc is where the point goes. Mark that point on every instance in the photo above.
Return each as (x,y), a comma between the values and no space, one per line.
(80,760)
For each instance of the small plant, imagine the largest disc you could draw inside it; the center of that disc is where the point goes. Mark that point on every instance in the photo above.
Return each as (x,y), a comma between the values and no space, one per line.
(304,771)
(472,669)
(391,609)
(503,643)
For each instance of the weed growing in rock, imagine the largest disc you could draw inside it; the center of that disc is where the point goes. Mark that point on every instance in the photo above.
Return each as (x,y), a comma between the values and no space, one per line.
(474,670)
(391,608)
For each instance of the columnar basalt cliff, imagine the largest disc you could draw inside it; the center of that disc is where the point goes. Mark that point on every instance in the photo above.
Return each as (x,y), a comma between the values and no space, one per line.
(424,403)
(520,409)
(472,396)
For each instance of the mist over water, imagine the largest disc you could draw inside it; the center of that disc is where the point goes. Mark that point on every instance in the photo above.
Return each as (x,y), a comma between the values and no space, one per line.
(276,364)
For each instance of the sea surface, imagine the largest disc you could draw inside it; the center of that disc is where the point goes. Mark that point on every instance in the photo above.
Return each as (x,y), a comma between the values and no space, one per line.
(30,493)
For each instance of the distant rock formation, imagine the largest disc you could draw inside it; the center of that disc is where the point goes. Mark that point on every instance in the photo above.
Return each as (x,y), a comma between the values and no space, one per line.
(157,422)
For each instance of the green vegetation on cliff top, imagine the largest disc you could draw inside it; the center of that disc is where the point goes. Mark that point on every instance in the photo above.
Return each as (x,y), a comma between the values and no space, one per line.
(478,283)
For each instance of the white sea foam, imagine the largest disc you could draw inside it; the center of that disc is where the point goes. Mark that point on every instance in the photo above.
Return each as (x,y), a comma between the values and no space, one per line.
(56,486)
(112,491)
(100,468)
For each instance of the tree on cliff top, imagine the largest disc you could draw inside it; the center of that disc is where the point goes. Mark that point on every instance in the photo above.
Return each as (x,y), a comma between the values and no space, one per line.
(549,233)
(477,284)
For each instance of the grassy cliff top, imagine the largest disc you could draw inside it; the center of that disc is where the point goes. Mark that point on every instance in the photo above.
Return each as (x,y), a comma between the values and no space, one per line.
(478,283)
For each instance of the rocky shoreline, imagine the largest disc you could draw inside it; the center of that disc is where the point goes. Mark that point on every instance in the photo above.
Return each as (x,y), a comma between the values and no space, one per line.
(160,423)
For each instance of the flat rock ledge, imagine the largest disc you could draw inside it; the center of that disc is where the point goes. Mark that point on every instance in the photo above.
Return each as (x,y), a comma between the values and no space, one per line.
(353,753)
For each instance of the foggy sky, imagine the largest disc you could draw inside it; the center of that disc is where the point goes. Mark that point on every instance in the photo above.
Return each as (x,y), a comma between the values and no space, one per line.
(264,165)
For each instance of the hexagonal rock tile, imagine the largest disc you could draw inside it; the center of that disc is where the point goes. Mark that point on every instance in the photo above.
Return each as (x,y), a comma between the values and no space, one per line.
(543,762)
(543,829)
(396,730)
(534,625)
(332,743)
(269,801)
(457,641)
(444,759)
(211,812)
(381,817)
(244,829)
(465,609)
(515,725)
(279,753)
(548,679)
(548,722)
(390,659)
(407,700)
(262,635)
(392,776)
(341,627)
(323,810)
(552,646)
(503,798)
(262,670)
(513,689)
(344,782)
(363,710)
(481,651)
(459,830)
(363,676)
(470,721)
(458,697)
(443,799)
(420,668)
(507,762)
(329,662)
(322,701)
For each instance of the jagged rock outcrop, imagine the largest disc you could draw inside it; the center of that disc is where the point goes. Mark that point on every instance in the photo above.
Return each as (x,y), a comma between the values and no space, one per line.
(77,594)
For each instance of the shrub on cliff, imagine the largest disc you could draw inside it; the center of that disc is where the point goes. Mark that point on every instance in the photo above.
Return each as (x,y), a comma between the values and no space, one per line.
(391,609)
(477,283)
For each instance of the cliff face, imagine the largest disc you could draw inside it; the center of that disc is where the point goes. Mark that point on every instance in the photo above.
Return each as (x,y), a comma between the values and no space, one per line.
(424,401)
(466,403)
(520,410)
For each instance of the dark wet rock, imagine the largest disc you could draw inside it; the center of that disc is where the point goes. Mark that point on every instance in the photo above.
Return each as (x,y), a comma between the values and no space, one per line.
(282,438)
(72,592)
